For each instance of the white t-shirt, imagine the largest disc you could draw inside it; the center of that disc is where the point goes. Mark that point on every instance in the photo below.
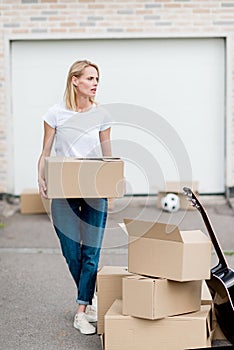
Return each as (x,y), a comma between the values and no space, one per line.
(77,133)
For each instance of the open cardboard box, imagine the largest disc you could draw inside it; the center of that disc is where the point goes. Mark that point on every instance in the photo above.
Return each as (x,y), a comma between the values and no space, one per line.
(162,250)
(177,188)
(155,298)
(84,177)
(109,288)
(181,332)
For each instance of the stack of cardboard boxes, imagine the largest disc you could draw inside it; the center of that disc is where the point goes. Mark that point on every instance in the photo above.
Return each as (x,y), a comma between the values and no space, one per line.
(156,303)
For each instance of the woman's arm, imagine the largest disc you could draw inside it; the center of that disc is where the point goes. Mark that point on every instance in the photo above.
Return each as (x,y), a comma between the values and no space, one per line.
(48,140)
(104,137)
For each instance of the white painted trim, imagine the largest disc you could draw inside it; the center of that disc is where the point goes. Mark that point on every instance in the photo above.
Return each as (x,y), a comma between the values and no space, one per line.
(228,121)
(9,123)
(111,35)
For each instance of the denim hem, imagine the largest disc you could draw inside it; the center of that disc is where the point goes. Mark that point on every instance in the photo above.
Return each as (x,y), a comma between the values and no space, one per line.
(82,302)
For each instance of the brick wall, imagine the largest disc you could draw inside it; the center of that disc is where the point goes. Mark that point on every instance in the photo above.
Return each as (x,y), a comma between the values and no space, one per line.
(44,18)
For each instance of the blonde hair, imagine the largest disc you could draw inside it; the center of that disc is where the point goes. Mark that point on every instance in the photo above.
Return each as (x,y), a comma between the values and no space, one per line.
(76,69)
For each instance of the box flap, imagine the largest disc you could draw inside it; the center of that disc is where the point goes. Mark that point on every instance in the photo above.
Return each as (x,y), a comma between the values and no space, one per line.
(123,227)
(102,159)
(153,230)
(206,297)
(75,159)
(116,310)
(109,270)
(194,236)
(144,278)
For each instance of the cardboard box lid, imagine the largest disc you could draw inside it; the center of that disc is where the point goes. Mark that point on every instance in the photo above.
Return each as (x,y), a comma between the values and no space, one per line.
(88,159)
(112,270)
(204,312)
(162,231)
(147,279)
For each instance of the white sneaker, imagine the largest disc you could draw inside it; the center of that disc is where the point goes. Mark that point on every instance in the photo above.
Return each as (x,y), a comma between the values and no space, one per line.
(81,323)
(94,301)
(91,313)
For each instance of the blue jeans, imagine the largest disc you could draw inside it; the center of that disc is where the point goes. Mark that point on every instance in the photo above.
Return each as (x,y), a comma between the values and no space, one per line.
(79,224)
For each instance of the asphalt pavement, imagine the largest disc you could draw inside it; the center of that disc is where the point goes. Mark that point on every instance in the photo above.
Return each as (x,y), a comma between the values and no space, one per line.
(37,294)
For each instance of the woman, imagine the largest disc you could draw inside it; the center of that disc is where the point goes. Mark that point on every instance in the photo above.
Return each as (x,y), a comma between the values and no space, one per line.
(80,128)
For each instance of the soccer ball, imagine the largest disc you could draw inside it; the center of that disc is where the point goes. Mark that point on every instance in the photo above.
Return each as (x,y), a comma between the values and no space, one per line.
(171,202)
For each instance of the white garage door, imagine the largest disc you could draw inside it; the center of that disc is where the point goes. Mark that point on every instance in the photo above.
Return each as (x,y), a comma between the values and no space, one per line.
(167,97)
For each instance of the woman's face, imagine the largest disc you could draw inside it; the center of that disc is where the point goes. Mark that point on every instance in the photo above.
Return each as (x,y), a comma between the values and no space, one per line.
(87,84)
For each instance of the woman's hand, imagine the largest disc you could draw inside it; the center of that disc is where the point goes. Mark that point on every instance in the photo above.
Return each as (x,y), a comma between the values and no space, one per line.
(42,188)
(48,140)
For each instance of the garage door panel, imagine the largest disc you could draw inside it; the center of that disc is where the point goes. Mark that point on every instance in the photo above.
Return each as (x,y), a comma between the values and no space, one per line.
(182,80)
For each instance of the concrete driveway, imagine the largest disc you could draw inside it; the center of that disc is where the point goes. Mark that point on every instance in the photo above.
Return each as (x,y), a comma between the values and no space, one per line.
(37,294)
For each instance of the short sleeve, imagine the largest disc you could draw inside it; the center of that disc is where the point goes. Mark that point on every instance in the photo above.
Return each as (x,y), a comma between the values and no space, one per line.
(107,120)
(51,116)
